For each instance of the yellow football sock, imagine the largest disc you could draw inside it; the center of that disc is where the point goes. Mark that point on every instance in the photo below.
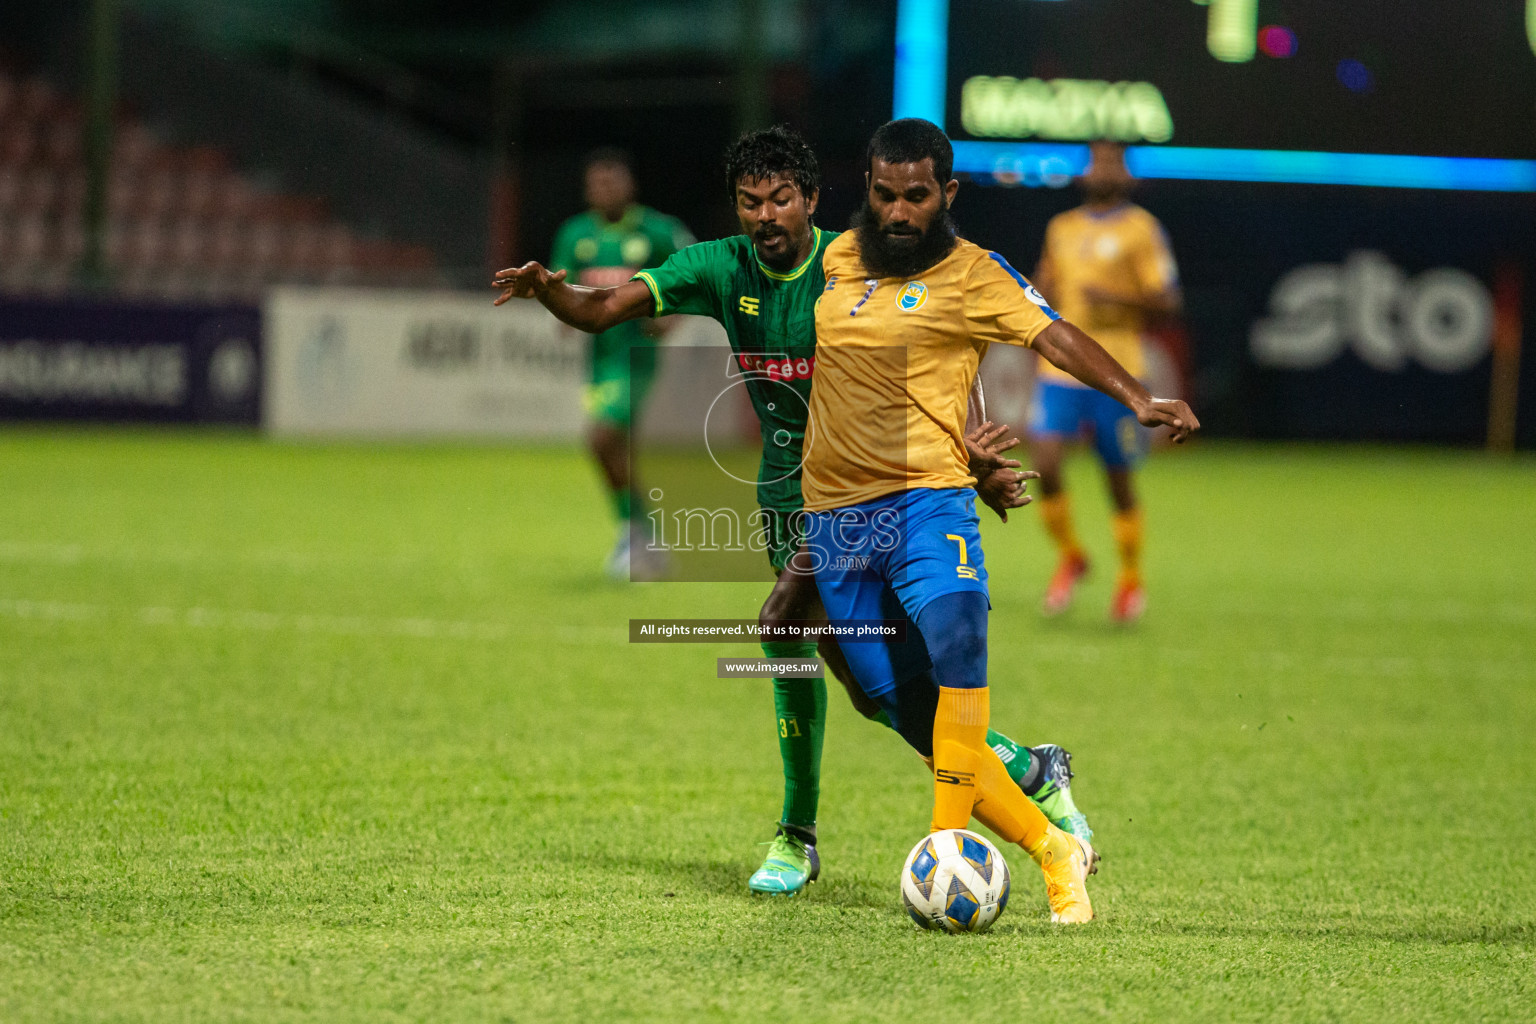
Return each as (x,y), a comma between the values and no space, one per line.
(1003,808)
(1127,529)
(1056,514)
(959,737)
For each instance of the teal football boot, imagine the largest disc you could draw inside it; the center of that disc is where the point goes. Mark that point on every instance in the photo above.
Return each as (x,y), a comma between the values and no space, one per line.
(1052,786)
(790,866)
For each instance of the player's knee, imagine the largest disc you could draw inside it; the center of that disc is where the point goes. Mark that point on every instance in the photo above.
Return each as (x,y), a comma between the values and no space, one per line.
(861,701)
(774,613)
(606,439)
(955,626)
(1121,490)
(960,654)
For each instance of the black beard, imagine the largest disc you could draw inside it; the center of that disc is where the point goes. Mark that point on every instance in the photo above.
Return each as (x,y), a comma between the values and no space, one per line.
(881,258)
(788,259)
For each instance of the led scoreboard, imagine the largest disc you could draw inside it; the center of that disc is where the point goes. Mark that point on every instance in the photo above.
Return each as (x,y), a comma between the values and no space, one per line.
(1410,93)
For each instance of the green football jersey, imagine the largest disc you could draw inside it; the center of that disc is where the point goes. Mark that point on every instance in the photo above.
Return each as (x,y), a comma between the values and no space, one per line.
(600,254)
(770,318)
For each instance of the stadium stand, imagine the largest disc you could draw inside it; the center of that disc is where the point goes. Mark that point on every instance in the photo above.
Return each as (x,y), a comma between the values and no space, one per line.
(183,222)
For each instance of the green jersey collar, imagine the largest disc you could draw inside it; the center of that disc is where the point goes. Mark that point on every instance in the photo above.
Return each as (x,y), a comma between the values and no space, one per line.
(798,271)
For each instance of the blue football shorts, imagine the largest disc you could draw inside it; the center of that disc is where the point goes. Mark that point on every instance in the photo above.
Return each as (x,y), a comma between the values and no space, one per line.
(887,559)
(1068,411)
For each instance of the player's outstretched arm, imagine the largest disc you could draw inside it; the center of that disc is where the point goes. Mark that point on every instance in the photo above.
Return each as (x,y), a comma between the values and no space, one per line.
(1158,305)
(1073,351)
(593,310)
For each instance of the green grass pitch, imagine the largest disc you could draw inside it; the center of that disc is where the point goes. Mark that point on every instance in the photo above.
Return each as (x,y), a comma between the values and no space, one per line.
(352,733)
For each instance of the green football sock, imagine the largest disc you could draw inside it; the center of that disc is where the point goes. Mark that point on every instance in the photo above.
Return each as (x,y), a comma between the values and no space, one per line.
(1015,757)
(801,708)
(623,502)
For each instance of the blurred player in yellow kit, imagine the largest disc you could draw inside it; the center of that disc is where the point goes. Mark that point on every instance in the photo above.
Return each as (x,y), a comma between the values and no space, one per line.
(1107,267)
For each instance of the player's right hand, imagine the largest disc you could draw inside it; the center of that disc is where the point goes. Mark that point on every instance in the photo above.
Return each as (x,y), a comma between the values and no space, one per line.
(1169,412)
(1003,489)
(529,281)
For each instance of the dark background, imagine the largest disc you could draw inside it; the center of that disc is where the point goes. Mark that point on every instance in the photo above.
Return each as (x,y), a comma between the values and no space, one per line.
(462,127)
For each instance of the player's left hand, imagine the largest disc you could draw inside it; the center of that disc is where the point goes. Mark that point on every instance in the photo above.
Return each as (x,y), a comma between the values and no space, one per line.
(985,446)
(999,482)
(1169,412)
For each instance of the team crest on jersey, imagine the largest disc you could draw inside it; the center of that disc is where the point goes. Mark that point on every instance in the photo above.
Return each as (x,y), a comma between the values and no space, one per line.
(586,250)
(636,249)
(1033,295)
(913,296)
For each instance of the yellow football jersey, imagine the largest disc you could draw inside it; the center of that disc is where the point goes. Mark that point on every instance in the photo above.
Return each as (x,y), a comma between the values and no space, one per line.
(1122,252)
(895,359)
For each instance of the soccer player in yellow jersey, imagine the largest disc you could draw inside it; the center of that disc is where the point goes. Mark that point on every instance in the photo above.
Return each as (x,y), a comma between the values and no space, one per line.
(908,312)
(1106,267)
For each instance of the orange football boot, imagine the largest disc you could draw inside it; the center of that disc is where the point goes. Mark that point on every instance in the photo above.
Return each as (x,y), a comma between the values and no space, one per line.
(1058,596)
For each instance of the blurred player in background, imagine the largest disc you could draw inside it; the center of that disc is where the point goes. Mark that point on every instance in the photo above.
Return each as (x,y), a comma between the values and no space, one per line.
(601,248)
(762,286)
(1107,267)
(908,314)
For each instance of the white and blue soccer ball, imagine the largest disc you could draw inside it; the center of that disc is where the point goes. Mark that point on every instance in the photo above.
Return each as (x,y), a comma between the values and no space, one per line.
(954,881)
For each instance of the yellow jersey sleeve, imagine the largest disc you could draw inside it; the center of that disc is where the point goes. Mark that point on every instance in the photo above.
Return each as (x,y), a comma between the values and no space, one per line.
(1001,306)
(1152,260)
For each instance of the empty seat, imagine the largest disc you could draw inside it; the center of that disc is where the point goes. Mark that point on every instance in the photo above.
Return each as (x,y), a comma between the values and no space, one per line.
(160,193)
(62,145)
(10,189)
(18,143)
(264,244)
(188,243)
(31,238)
(226,245)
(37,100)
(181,220)
(41,188)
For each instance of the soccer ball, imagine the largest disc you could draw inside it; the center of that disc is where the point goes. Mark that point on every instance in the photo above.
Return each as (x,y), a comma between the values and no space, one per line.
(954,881)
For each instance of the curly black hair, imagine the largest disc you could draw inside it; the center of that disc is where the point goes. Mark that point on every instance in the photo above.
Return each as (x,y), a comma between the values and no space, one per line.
(769,151)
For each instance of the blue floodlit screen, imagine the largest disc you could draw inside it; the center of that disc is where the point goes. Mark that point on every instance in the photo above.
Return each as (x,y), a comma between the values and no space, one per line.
(1249,77)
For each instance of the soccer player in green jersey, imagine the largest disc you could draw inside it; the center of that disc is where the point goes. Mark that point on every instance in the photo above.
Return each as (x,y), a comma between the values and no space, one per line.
(762,286)
(599,248)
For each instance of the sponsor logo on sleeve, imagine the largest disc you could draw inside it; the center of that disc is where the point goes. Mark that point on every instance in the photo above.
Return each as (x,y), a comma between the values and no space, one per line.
(1033,295)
